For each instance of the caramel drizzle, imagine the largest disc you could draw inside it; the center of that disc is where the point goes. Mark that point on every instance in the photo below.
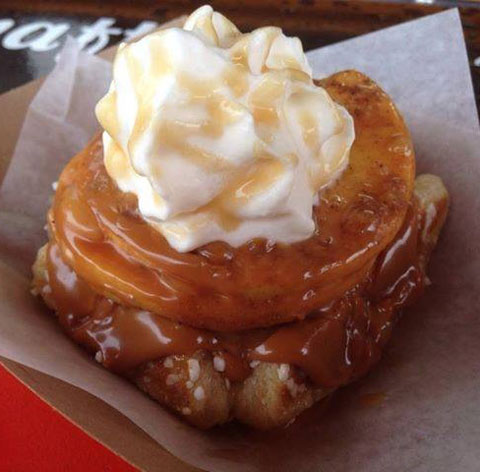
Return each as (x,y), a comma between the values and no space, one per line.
(244,183)
(336,344)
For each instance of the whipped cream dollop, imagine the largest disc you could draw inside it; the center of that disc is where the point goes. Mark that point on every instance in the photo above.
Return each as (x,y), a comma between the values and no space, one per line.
(221,135)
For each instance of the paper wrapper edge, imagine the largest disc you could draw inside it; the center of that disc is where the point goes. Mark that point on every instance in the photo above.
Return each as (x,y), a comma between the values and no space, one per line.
(99,420)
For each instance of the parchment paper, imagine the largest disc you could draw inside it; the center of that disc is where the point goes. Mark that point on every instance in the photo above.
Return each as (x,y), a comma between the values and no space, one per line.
(430,374)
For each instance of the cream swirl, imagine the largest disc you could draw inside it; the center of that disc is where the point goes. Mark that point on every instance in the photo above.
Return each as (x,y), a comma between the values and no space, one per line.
(221,135)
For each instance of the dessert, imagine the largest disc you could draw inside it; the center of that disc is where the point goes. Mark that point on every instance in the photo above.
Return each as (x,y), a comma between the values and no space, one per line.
(241,238)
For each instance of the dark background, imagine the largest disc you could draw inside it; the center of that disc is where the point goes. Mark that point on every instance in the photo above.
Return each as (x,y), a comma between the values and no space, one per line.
(316,22)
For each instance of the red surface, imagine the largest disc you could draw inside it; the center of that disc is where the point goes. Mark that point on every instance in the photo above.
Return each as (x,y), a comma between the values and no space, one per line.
(35,438)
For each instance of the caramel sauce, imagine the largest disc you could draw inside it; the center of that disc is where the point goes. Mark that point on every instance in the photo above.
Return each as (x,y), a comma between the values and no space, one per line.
(70,294)
(348,335)
(118,164)
(319,176)
(128,337)
(309,130)
(125,337)
(239,53)
(174,135)
(106,111)
(258,177)
(121,290)
(372,399)
(263,100)
(334,345)
(100,233)
(236,79)
(217,209)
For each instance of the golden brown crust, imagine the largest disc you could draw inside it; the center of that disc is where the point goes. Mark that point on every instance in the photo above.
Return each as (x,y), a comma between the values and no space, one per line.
(274,395)
(189,386)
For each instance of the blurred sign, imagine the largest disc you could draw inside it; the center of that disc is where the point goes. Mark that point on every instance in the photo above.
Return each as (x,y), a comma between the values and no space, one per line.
(29,43)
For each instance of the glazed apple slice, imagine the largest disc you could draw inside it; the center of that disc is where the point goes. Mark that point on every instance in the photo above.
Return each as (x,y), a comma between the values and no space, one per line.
(258,284)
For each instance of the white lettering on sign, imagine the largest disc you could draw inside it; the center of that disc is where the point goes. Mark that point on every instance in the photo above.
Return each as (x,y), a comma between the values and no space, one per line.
(37,36)
(95,37)
(6,24)
(143,28)
(42,36)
